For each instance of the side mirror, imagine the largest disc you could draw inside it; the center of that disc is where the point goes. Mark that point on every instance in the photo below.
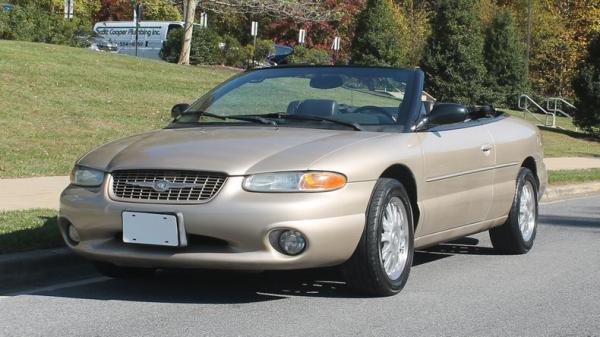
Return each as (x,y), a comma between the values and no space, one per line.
(178,109)
(447,113)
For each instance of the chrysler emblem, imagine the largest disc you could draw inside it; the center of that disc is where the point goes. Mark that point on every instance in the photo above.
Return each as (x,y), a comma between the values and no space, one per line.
(163,185)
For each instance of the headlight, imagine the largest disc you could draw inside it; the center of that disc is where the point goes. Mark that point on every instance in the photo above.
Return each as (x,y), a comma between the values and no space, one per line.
(312,181)
(84,176)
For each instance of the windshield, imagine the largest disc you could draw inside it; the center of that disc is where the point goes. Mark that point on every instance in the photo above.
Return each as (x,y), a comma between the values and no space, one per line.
(352,95)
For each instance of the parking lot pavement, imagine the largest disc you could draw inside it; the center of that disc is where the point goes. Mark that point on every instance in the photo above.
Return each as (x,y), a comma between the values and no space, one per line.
(457,289)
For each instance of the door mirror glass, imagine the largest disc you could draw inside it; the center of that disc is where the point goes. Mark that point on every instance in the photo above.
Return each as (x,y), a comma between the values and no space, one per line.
(178,109)
(447,113)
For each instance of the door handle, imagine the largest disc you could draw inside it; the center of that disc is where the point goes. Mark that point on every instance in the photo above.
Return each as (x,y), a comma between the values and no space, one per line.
(486,147)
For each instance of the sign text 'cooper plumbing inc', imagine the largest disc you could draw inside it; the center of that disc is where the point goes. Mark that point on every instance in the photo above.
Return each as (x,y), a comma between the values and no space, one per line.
(125,31)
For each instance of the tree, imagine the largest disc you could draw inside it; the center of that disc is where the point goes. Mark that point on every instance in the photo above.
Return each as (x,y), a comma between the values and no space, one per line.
(586,85)
(320,34)
(560,33)
(380,37)
(189,12)
(160,10)
(418,30)
(301,10)
(453,60)
(117,10)
(504,60)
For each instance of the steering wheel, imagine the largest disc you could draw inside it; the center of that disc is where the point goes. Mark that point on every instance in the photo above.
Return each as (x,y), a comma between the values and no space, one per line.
(371,109)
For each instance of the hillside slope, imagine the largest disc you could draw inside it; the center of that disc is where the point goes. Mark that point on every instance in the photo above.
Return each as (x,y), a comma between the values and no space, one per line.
(57,103)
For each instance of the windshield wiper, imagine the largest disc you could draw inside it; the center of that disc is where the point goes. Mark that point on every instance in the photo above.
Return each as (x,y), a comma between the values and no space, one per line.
(353,125)
(254,119)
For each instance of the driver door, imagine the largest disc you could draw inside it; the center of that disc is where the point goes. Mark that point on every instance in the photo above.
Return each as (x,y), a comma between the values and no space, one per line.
(458,176)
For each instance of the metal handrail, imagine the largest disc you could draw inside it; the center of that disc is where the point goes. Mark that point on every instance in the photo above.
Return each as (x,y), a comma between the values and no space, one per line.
(525,101)
(523,104)
(555,109)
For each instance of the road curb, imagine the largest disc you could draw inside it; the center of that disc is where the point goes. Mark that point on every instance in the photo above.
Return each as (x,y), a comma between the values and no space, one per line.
(39,266)
(558,192)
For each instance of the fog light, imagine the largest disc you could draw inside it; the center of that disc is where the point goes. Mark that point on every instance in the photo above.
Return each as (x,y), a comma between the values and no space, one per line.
(73,234)
(292,242)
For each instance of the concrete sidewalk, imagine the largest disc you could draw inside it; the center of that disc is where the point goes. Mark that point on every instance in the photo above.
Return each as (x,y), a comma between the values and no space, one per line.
(44,192)
(571,163)
(39,192)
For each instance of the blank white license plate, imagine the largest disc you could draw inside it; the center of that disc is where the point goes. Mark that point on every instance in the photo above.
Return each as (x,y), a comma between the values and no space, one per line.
(150,229)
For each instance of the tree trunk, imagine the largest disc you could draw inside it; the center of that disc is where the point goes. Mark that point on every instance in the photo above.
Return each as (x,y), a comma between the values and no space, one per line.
(189,11)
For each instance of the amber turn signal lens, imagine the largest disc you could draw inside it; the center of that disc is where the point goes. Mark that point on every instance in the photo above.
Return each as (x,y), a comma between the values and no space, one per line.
(322,181)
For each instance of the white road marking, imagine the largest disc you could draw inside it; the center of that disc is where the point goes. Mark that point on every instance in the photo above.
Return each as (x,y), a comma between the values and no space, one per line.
(60,286)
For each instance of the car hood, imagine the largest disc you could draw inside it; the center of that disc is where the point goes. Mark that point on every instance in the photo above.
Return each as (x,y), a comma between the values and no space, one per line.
(231,150)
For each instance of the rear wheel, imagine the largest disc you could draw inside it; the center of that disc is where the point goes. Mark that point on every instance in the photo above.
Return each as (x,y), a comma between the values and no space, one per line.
(517,234)
(114,271)
(381,263)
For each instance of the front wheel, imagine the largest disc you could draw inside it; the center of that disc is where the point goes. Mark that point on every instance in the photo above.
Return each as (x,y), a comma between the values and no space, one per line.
(382,260)
(517,234)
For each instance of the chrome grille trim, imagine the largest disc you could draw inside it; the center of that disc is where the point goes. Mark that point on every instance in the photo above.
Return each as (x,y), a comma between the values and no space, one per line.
(190,187)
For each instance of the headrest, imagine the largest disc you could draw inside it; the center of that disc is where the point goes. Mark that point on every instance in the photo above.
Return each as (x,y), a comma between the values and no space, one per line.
(316,107)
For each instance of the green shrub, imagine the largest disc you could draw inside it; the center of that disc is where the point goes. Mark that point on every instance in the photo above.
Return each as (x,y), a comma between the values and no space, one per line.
(234,54)
(303,55)
(453,60)
(504,61)
(204,48)
(264,48)
(172,46)
(35,24)
(586,85)
(380,38)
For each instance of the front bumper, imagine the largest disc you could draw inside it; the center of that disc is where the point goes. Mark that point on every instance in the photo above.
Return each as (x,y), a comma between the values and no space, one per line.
(229,232)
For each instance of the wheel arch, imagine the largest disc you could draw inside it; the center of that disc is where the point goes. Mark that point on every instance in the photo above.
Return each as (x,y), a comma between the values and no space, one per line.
(530,164)
(404,175)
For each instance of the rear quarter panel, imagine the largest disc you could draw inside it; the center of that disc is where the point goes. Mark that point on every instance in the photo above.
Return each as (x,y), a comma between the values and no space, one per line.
(515,140)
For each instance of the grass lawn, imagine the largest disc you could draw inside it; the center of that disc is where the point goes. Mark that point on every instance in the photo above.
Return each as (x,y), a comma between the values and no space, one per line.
(57,103)
(562,177)
(27,230)
(566,142)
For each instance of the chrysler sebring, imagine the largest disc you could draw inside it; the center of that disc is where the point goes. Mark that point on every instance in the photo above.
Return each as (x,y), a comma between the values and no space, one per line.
(303,167)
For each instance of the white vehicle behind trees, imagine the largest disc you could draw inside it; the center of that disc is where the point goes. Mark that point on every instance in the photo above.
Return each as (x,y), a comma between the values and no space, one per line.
(151,35)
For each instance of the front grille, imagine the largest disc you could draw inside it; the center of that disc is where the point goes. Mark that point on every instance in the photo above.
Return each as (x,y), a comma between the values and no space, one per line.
(169,186)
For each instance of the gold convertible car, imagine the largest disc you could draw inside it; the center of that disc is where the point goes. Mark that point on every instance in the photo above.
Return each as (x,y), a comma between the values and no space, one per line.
(303,167)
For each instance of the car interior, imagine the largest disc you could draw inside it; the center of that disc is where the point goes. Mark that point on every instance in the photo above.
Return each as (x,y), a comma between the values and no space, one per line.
(331,109)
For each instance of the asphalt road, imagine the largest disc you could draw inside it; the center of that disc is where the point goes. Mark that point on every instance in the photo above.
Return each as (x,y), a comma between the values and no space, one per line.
(458,289)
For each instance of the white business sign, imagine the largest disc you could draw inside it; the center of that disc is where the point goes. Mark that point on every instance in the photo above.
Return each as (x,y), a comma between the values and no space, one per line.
(69,5)
(301,36)
(204,20)
(337,43)
(254,29)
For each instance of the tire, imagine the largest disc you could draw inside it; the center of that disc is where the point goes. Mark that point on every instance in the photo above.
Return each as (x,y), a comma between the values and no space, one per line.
(114,271)
(365,271)
(517,234)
